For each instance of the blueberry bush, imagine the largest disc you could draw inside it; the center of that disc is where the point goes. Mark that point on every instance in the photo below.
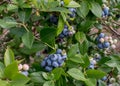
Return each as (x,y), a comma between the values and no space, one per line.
(59,43)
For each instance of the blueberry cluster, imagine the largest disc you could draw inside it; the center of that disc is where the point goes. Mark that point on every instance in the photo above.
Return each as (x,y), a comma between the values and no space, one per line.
(105,41)
(94,60)
(73,12)
(66,32)
(23,69)
(54,60)
(105,11)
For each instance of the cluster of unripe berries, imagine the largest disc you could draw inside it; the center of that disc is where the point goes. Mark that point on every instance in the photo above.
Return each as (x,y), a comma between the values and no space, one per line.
(67,32)
(54,60)
(23,69)
(94,60)
(105,11)
(112,81)
(105,41)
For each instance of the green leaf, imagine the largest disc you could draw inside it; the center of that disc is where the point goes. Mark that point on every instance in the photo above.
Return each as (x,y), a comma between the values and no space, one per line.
(73,51)
(96,9)
(76,74)
(49,83)
(4,83)
(2,67)
(60,25)
(73,4)
(80,37)
(11,70)
(59,9)
(35,47)
(86,61)
(95,74)
(25,15)
(57,73)
(90,82)
(67,1)
(85,26)
(83,10)
(101,83)
(11,7)
(37,77)
(77,59)
(8,57)
(7,23)
(19,79)
(84,47)
(28,39)
(48,36)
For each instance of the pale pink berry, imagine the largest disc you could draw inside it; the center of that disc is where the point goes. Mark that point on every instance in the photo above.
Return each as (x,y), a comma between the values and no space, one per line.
(102,40)
(20,67)
(25,67)
(115,41)
(106,38)
(113,46)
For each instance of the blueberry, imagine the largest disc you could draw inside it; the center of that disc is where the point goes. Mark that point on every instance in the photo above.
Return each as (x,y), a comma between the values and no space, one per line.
(91,66)
(48,68)
(101,35)
(54,19)
(72,10)
(55,64)
(64,31)
(65,27)
(62,3)
(54,57)
(72,15)
(104,78)
(106,11)
(25,73)
(43,63)
(100,46)
(49,62)
(106,44)
(59,51)
(61,36)
(64,57)
(103,14)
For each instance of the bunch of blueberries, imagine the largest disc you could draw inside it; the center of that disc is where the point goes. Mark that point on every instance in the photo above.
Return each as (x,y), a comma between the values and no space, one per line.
(94,60)
(105,11)
(54,60)
(105,41)
(66,32)
(54,19)
(23,69)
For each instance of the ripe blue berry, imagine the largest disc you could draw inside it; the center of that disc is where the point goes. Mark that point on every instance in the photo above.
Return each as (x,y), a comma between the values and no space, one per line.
(49,62)
(101,35)
(54,57)
(48,68)
(55,64)
(106,44)
(25,73)
(59,51)
(43,63)
(104,78)
(100,46)
(54,19)
(106,11)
